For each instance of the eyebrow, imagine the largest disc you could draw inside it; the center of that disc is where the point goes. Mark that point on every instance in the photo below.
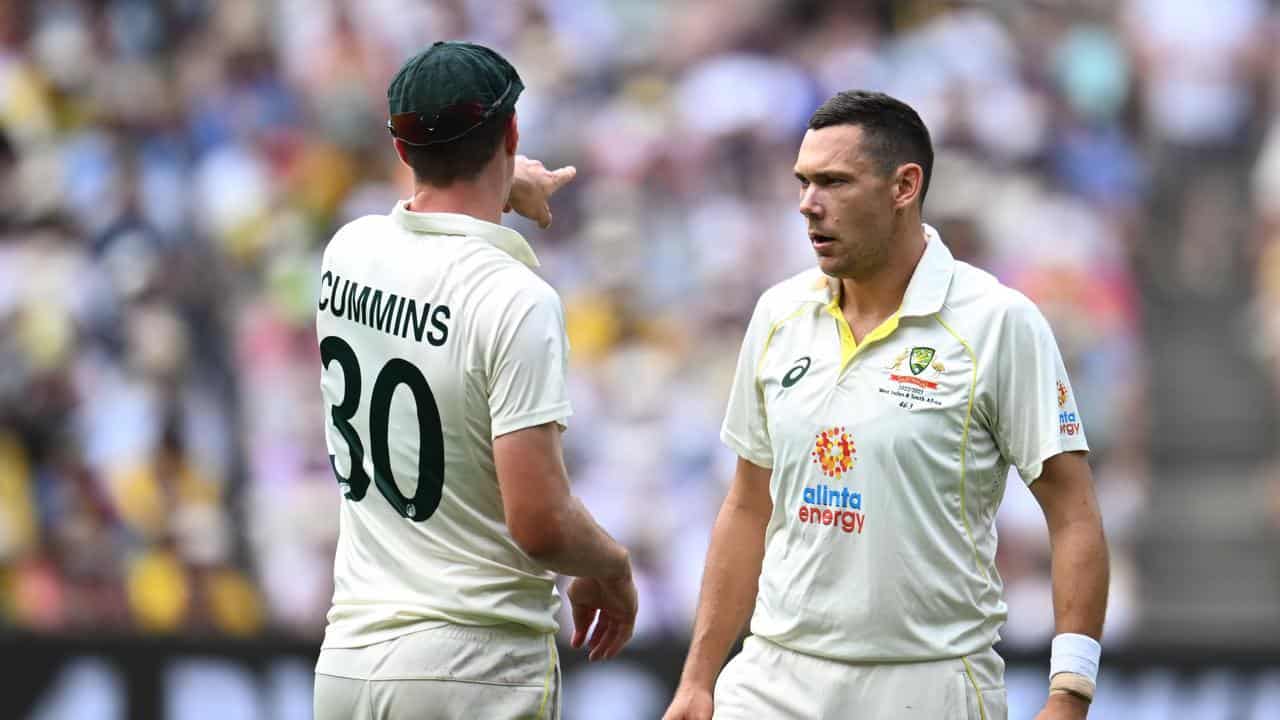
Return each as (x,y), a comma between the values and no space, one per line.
(824,175)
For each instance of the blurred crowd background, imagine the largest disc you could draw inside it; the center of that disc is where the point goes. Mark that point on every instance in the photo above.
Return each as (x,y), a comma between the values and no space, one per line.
(171,170)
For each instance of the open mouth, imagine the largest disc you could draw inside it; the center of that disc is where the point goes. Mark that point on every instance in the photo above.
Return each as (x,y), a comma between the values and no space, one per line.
(820,241)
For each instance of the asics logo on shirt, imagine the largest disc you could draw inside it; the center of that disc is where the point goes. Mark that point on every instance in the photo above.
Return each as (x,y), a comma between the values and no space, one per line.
(794,374)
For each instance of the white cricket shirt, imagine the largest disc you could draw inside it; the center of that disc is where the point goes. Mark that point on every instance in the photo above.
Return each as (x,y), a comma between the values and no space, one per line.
(435,338)
(889,457)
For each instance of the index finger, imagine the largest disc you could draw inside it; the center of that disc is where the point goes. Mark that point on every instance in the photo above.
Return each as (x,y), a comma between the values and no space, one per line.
(561,177)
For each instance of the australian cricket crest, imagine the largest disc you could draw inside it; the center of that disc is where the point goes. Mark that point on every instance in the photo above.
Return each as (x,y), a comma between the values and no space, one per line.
(914,376)
(920,359)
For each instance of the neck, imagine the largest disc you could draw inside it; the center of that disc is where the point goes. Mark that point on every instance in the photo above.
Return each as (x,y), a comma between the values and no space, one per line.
(482,198)
(880,294)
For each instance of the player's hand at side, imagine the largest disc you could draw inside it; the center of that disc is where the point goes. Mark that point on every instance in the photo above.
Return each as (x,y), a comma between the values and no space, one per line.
(532,188)
(612,605)
(690,703)
(1063,707)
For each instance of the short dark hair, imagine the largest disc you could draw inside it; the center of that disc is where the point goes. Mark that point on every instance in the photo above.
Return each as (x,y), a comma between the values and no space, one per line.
(893,132)
(443,164)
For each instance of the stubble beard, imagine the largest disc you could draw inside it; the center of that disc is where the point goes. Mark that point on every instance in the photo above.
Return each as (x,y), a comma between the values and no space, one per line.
(858,262)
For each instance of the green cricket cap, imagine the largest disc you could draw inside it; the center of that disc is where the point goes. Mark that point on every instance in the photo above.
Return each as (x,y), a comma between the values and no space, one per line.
(448,90)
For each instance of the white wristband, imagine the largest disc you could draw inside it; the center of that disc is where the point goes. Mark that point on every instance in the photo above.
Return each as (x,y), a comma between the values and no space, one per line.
(1074,653)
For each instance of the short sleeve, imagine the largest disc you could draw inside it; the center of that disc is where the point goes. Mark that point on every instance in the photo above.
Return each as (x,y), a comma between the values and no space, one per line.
(1036,413)
(746,426)
(528,365)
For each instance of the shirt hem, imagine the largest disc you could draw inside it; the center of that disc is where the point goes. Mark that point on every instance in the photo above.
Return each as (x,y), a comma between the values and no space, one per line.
(366,639)
(1046,452)
(872,660)
(741,448)
(558,413)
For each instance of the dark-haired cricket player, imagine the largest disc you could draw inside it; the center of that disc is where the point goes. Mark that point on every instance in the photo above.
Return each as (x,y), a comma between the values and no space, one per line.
(879,402)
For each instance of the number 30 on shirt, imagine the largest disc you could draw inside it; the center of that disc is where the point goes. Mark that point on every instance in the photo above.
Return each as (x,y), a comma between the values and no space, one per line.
(397,372)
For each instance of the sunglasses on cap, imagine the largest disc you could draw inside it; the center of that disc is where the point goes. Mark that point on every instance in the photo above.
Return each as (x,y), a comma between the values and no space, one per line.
(451,123)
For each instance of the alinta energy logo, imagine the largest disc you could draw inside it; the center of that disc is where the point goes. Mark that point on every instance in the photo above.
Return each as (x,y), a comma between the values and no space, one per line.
(1068,423)
(834,453)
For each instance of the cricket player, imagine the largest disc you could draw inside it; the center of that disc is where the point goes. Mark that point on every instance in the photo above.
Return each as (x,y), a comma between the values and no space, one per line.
(444,360)
(879,402)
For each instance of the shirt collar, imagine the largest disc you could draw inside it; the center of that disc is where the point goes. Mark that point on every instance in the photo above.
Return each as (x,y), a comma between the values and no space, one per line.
(441,223)
(929,282)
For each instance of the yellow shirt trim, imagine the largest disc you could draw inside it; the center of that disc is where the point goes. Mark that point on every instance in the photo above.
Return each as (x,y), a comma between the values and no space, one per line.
(964,445)
(547,681)
(769,337)
(849,348)
(982,707)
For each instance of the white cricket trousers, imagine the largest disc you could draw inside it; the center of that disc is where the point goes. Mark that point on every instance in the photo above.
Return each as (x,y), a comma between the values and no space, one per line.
(449,672)
(767,680)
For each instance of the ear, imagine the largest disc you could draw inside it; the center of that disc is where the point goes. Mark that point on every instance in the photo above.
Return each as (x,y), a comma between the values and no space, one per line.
(908,182)
(402,150)
(512,138)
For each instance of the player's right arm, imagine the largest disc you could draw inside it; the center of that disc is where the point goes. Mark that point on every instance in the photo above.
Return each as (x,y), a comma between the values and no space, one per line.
(729,584)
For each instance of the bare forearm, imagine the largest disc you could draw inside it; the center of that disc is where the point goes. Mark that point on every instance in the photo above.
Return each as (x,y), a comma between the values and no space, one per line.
(545,519)
(1081,575)
(581,547)
(729,585)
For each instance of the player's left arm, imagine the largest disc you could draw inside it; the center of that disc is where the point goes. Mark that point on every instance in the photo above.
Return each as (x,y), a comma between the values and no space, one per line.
(532,186)
(1081,568)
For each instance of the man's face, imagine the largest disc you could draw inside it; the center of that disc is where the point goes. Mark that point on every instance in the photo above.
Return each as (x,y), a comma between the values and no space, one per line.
(848,201)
